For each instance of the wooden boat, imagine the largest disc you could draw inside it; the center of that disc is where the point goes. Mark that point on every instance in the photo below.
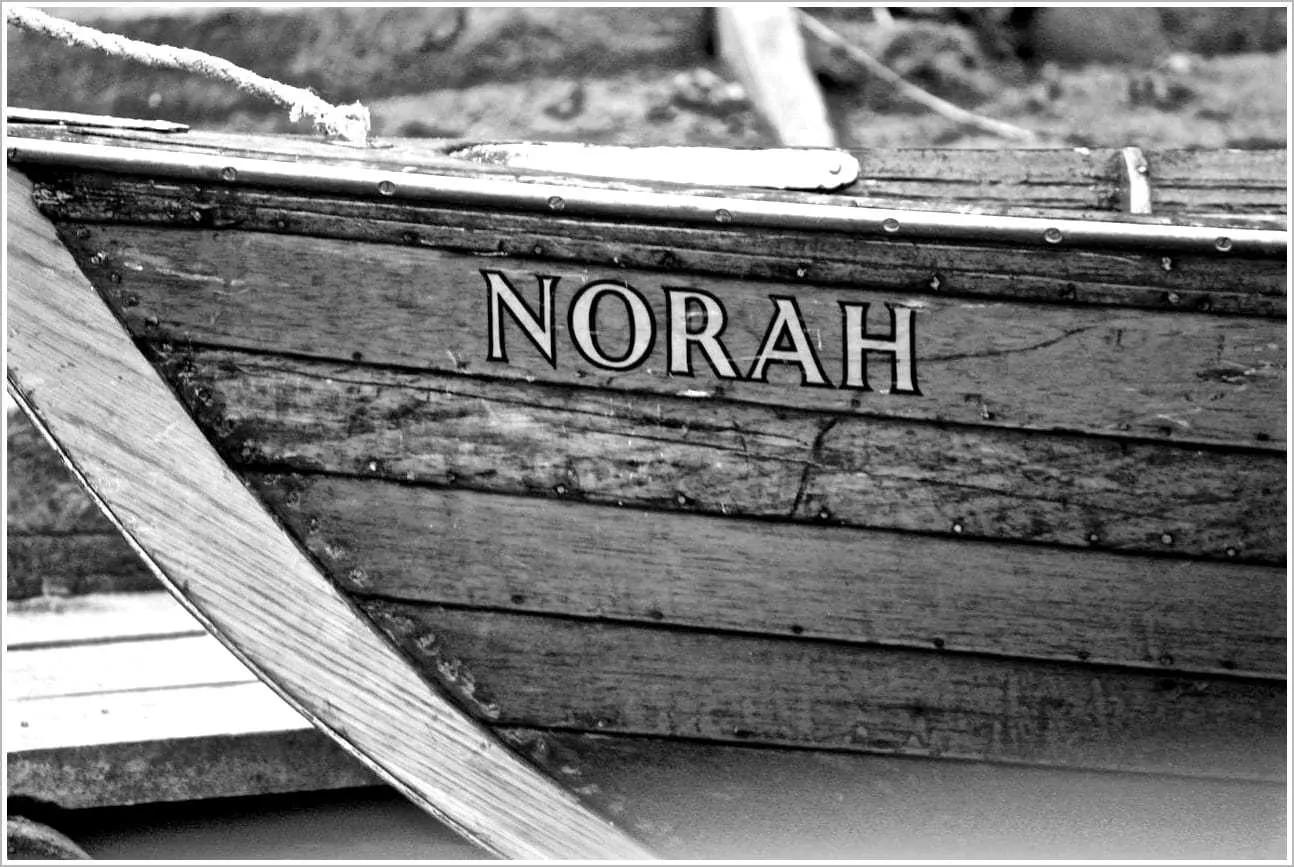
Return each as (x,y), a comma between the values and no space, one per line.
(587,509)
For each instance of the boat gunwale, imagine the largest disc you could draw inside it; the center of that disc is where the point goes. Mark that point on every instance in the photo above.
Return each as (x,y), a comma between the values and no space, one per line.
(563,196)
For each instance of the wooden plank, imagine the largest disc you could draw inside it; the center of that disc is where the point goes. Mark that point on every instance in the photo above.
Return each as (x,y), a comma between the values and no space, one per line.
(720,457)
(95,619)
(181,712)
(74,368)
(123,666)
(1195,377)
(375,538)
(1179,282)
(762,46)
(548,672)
(169,745)
(705,801)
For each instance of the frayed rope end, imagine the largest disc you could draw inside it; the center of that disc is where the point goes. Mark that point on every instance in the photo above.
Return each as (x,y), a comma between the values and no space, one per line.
(346,123)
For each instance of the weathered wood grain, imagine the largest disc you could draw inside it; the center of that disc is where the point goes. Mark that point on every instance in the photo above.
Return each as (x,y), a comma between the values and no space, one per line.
(376,538)
(74,368)
(1082,179)
(550,672)
(694,800)
(1195,377)
(719,457)
(1178,282)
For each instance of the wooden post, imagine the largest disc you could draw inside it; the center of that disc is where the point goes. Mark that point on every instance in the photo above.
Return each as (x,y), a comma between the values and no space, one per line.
(762,45)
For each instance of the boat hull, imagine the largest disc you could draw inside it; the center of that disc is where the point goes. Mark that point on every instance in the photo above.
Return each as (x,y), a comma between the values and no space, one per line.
(637,494)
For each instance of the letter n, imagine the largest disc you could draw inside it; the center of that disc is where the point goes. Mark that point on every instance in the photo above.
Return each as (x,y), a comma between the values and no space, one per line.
(537,328)
(900,346)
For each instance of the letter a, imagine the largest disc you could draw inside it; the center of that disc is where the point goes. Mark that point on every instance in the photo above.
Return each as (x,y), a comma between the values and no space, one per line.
(787,323)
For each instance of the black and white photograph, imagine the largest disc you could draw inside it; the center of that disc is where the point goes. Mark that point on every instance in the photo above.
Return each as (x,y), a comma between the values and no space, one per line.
(611,433)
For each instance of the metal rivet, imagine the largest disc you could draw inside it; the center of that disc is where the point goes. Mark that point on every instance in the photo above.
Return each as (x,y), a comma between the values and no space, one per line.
(935,283)
(229,173)
(824,515)
(1143,169)
(681,499)
(1167,538)
(957,528)
(890,225)
(1093,538)
(98,258)
(151,322)
(723,215)
(1166,263)
(1053,236)
(1174,298)
(1222,244)
(560,490)
(538,250)
(800,272)
(195,216)
(556,203)
(1231,552)
(386,188)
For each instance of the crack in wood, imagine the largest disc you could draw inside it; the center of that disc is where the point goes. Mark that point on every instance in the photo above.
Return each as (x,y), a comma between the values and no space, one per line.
(1016,350)
(815,455)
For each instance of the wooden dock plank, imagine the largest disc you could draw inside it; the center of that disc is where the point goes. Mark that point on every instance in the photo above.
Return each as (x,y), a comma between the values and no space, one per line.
(122,666)
(148,724)
(180,744)
(893,589)
(728,458)
(547,672)
(94,619)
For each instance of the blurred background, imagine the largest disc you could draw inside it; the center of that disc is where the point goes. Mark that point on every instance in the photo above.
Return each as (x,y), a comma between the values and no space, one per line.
(1102,76)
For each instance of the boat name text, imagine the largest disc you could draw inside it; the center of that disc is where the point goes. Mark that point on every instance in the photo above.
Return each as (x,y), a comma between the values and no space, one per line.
(695,320)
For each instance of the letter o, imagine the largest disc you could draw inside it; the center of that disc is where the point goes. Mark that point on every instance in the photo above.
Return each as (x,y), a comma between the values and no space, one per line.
(642,325)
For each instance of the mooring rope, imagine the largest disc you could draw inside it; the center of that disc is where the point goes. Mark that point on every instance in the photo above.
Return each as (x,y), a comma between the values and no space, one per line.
(348,123)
